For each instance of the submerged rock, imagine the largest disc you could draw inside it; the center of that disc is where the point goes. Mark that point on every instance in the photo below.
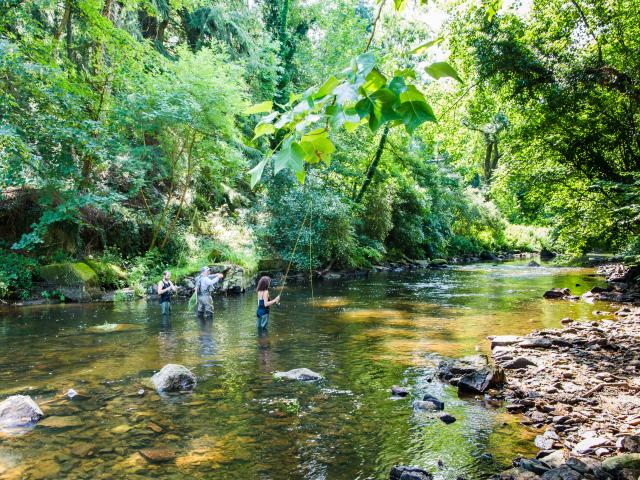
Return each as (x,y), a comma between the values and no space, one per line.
(158,455)
(557,293)
(19,411)
(480,380)
(174,378)
(61,422)
(403,472)
(302,374)
(533,263)
(421,405)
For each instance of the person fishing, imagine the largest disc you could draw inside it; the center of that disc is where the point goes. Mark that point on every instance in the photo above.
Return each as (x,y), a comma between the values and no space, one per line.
(165,288)
(262,313)
(204,286)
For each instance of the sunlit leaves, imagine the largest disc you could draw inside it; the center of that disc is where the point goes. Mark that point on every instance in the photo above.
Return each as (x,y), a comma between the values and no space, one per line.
(493,8)
(256,172)
(263,107)
(290,156)
(361,94)
(414,109)
(425,46)
(439,70)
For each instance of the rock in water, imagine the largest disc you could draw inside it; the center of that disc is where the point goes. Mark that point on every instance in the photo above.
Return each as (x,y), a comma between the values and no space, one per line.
(420,405)
(533,263)
(403,472)
(437,403)
(174,378)
(302,374)
(399,391)
(158,455)
(446,418)
(481,380)
(19,411)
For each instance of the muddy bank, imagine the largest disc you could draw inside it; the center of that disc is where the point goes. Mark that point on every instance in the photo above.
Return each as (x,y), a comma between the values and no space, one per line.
(579,385)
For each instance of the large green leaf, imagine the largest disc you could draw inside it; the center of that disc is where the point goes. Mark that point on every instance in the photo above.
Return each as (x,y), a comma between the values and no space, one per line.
(263,107)
(291,156)
(364,64)
(398,85)
(414,109)
(317,146)
(263,129)
(442,69)
(378,107)
(425,46)
(374,81)
(327,87)
(256,172)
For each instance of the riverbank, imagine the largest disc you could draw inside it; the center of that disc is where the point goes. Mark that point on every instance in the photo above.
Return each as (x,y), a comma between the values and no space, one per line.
(579,387)
(76,289)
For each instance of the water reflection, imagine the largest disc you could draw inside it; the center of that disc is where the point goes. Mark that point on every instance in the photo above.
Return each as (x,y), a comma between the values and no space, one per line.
(362,335)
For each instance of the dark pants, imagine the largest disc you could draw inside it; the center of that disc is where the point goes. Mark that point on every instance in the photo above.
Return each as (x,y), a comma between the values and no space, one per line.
(165,308)
(262,321)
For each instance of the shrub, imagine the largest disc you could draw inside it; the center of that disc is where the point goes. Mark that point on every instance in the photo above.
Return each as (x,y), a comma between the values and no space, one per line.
(16,274)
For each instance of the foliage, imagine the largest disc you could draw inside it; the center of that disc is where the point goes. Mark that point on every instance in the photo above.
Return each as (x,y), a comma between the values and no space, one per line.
(16,274)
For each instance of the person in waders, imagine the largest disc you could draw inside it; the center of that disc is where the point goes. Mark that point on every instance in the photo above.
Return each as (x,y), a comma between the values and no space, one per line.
(165,288)
(204,286)
(262,313)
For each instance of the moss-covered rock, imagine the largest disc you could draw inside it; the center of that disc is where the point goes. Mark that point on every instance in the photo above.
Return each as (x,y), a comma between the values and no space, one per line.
(438,262)
(69,274)
(109,274)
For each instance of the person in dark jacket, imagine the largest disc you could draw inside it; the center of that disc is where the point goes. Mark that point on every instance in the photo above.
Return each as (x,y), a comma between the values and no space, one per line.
(165,289)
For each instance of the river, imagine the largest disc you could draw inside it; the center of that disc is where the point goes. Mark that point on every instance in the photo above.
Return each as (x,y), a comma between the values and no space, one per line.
(363,335)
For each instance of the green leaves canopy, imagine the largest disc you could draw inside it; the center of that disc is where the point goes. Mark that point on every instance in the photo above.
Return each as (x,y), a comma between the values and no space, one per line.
(360,94)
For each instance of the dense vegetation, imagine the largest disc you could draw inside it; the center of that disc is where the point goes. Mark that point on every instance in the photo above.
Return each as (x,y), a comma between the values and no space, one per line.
(153,133)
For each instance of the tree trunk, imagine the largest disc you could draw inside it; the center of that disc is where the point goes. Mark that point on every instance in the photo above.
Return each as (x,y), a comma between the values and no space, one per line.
(374,164)
(487,162)
(65,20)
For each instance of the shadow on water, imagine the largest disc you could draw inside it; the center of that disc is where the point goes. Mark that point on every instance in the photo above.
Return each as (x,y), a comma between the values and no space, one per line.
(362,335)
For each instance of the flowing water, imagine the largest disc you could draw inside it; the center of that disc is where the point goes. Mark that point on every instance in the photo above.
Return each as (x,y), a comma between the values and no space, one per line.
(363,335)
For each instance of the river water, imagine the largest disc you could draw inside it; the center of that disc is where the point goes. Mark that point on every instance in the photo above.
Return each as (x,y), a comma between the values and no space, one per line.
(362,335)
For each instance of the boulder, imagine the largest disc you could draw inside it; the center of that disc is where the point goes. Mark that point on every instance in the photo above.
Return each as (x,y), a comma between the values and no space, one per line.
(533,263)
(448,369)
(69,274)
(520,362)
(626,461)
(504,340)
(302,374)
(437,403)
(446,418)
(174,378)
(403,472)
(554,459)
(19,411)
(536,342)
(399,391)
(561,473)
(589,444)
(438,263)
(532,465)
(480,380)
(631,444)
(557,293)
(516,473)
(422,405)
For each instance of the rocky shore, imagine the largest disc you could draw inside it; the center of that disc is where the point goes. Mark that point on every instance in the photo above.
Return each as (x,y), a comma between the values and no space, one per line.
(579,386)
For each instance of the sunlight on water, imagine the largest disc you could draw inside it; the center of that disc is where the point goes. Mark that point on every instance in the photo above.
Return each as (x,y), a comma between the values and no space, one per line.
(362,335)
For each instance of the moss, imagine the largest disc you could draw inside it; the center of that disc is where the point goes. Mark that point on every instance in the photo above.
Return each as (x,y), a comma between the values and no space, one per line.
(109,274)
(69,274)
(438,262)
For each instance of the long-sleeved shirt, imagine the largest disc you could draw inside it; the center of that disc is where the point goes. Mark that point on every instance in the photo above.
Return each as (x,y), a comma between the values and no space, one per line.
(206,283)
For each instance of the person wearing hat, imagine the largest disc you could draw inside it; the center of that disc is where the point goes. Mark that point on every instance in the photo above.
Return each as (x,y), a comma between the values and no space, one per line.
(204,286)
